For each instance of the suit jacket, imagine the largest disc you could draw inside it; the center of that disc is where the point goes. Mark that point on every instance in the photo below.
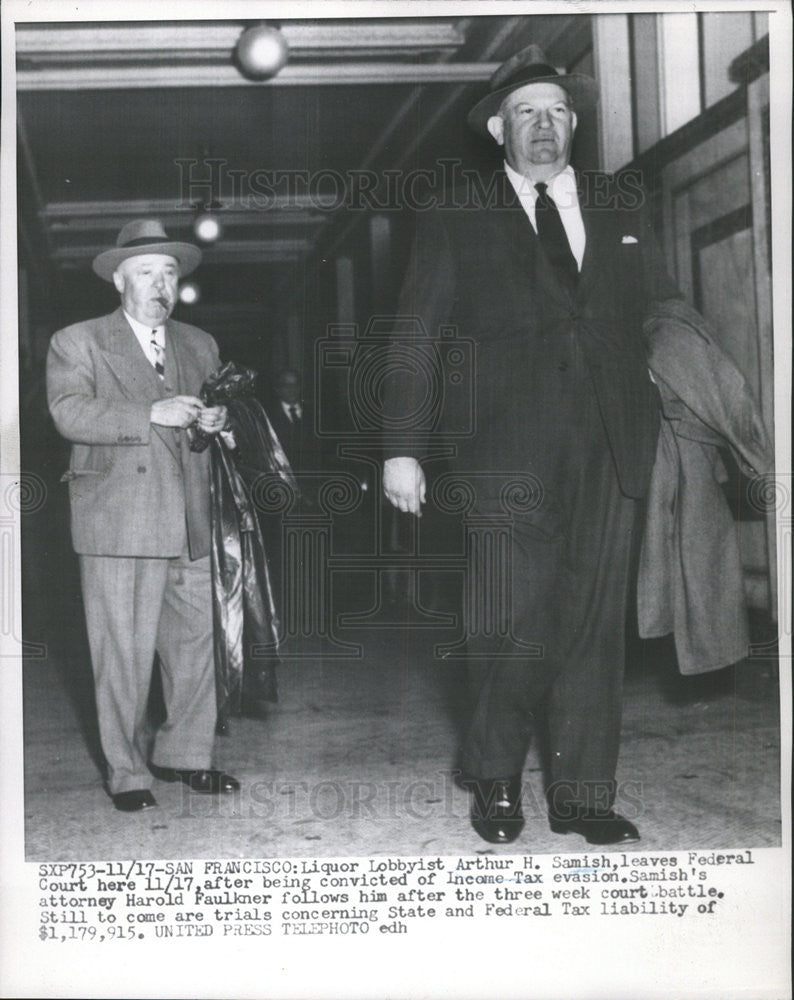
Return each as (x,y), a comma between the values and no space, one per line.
(690,579)
(297,439)
(132,485)
(479,269)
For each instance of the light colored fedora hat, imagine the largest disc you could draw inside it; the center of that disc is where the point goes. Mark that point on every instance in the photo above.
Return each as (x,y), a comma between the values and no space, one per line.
(145,236)
(530,65)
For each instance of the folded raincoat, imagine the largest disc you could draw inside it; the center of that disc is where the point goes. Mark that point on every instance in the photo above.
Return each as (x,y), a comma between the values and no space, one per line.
(244,611)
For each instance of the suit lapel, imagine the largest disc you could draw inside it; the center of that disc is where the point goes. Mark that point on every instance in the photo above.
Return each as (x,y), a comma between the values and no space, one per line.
(529,252)
(513,219)
(526,248)
(597,249)
(172,358)
(182,368)
(137,378)
(180,374)
(523,245)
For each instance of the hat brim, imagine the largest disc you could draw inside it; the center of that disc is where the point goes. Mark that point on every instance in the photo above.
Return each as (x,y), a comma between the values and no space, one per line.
(189,257)
(583,91)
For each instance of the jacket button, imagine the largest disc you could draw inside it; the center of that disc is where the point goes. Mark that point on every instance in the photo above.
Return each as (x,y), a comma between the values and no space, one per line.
(141,468)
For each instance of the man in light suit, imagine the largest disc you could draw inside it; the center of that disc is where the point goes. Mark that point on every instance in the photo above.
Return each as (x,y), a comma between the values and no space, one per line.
(549,274)
(124,389)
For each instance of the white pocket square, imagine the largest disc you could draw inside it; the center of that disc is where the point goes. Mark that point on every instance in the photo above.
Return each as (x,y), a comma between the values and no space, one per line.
(629,239)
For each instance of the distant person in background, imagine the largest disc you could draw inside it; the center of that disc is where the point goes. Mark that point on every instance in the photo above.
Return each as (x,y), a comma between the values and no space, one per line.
(292,418)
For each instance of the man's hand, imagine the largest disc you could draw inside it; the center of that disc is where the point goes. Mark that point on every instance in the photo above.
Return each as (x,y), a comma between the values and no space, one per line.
(404,484)
(176,411)
(212,419)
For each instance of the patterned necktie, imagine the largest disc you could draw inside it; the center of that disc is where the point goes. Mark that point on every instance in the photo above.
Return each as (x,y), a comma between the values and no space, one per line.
(158,353)
(553,238)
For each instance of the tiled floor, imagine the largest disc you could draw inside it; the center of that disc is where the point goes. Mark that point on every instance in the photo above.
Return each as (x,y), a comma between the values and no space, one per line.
(358,756)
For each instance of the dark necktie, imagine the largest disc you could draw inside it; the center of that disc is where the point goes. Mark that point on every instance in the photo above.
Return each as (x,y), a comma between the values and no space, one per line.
(158,353)
(551,233)
(293,414)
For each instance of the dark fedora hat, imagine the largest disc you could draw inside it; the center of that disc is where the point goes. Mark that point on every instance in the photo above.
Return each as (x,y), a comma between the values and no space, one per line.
(145,236)
(530,66)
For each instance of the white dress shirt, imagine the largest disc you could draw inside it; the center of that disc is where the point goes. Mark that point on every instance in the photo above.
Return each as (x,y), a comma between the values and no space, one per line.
(298,411)
(143,334)
(562,190)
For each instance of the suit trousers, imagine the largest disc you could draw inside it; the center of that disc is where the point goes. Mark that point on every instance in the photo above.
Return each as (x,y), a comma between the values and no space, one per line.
(135,607)
(570,564)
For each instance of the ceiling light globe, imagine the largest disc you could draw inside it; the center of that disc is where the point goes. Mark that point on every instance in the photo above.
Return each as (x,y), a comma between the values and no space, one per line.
(189,293)
(261,51)
(207,228)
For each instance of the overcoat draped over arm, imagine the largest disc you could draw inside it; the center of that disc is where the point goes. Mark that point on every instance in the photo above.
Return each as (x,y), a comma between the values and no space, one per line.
(244,609)
(690,578)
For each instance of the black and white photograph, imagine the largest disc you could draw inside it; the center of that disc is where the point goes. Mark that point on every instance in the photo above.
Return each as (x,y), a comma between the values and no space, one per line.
(395,494)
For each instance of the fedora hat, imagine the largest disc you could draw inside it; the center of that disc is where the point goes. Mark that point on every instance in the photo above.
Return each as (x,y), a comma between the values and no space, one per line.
(530,65)
(145,236)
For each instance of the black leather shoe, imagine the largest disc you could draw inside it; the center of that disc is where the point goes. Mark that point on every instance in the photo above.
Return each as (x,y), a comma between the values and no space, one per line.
(599,828)
(134,801)
(199,780)
(496,809)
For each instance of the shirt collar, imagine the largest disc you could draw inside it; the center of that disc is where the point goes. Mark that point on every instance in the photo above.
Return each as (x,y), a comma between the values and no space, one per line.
(560,187)
(142,330)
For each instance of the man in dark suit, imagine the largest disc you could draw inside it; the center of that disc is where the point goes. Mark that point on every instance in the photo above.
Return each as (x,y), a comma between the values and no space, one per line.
(293,422)
(124,389)
(550,280)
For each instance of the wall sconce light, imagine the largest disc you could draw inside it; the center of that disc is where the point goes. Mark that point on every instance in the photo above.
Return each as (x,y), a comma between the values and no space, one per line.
(261,51)
(189,293)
